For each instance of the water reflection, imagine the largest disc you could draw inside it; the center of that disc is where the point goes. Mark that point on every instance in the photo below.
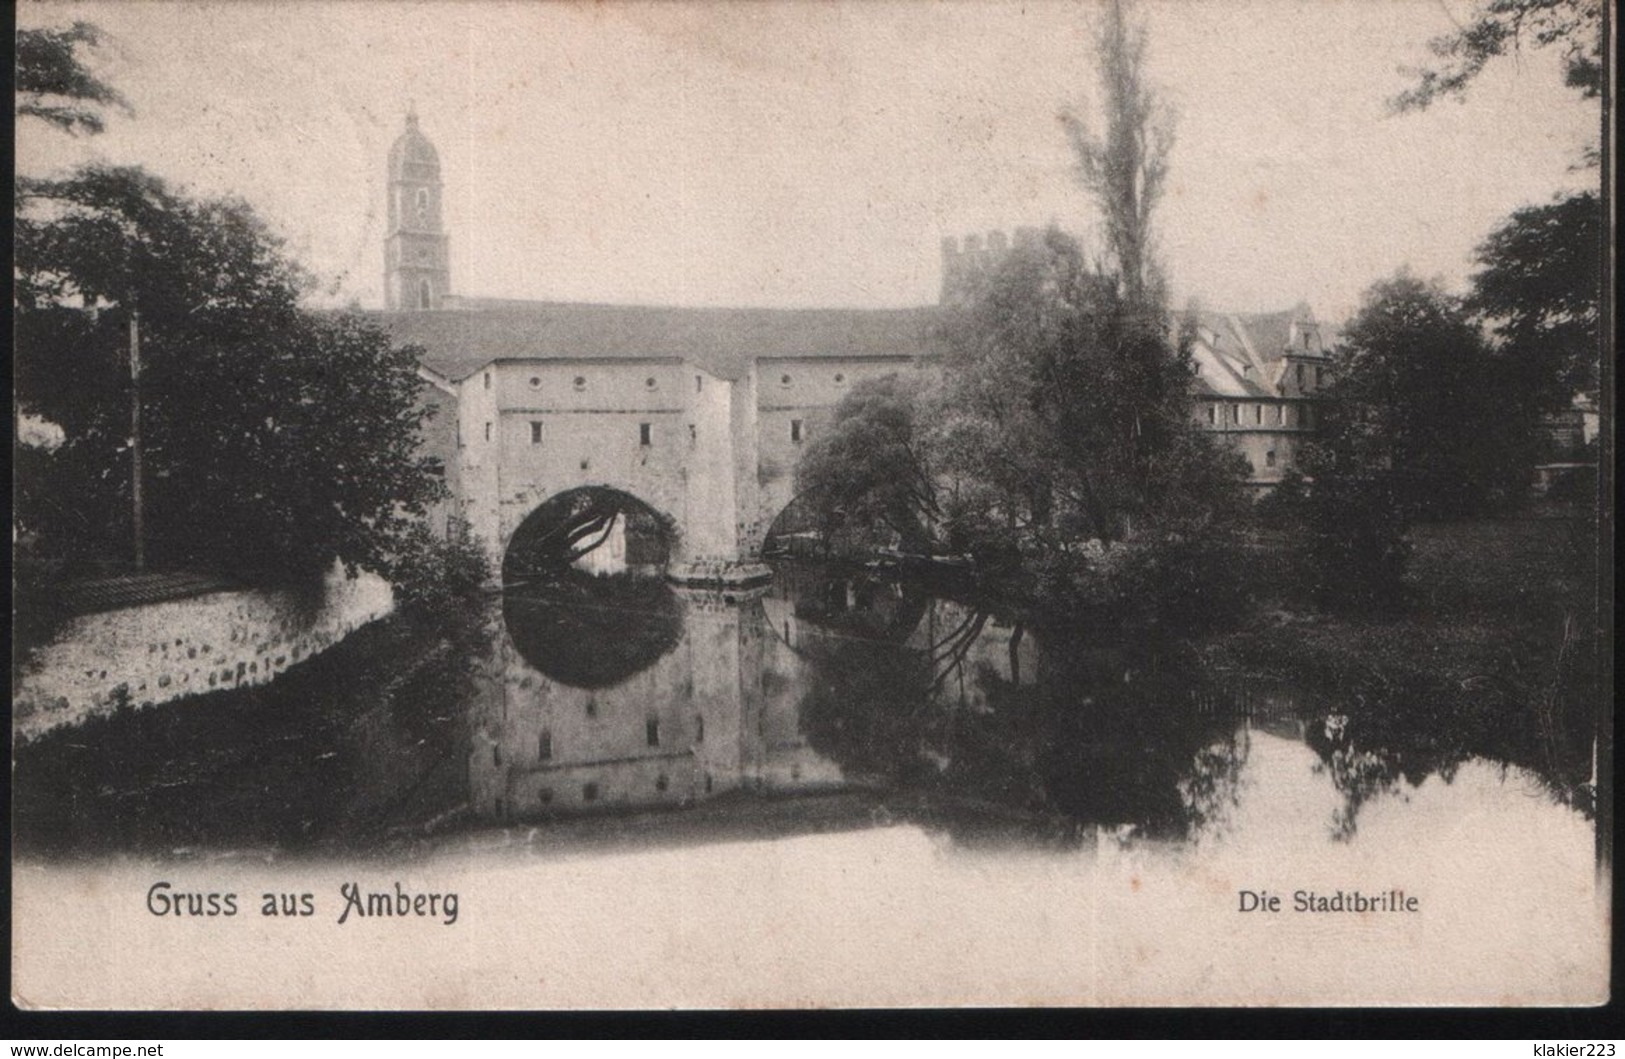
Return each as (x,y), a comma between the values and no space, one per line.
(832,680)
(604,695)
(829,698)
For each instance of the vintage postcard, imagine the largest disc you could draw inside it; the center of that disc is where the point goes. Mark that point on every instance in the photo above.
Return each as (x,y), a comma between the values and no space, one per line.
(713,505)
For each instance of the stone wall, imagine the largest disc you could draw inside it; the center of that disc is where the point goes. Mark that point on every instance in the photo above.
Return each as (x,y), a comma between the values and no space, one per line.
(164,651)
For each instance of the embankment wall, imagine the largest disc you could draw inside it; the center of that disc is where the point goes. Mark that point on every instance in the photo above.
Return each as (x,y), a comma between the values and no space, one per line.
(146,655)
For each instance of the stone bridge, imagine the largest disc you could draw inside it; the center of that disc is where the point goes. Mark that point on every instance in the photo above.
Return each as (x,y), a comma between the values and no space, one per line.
(700,414)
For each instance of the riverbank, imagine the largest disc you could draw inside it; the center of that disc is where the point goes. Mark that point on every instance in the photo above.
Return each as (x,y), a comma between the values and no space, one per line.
(1497,653)
(342,748)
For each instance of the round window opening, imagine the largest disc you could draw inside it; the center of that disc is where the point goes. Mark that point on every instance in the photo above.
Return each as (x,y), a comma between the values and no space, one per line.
(784,380)
(649,382)
(839,377)
(535,382)
(581,382)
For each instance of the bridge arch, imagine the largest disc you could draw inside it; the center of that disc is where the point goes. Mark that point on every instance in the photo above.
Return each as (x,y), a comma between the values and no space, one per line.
(607,529)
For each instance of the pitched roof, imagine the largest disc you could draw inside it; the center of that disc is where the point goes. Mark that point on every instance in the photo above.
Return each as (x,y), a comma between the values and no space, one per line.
(457,342)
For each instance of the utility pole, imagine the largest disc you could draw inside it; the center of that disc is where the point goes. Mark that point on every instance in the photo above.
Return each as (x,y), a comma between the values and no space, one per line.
(135,438)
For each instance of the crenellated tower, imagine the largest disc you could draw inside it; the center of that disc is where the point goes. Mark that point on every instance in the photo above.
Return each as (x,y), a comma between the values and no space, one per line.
(417,266)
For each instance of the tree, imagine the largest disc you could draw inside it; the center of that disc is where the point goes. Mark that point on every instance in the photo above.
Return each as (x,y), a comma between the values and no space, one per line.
(1428,399)
(1067,409)
(868,470)
(1125,165)
(53,84)
(1501,26)
(1540,291)
(276,438)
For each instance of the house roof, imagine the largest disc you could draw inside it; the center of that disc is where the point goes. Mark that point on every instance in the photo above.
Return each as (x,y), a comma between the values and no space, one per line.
(458,341)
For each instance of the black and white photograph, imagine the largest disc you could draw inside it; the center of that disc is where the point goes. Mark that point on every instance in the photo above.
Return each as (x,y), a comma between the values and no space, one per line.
(711,505)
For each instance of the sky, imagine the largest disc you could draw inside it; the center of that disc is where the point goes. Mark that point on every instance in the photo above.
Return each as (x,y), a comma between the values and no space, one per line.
(801,154)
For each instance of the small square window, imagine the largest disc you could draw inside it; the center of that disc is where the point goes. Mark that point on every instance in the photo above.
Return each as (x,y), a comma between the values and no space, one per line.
(784,380)
(544,795)
(1269,458)
(535,432)
(661,782)
(795,430)
(589,792)
(645,434)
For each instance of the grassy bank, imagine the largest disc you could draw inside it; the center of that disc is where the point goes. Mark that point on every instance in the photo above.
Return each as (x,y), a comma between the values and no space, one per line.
(1495,655)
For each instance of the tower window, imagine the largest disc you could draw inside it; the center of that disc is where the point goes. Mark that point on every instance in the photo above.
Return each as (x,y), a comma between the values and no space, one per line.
(487,380)
(535,432)
(424,296)
(1258,413)
(487,431)
(693,434)
(1320,376)
(1269,458)
(544,746)
(589,792)
(795,430)
(645,434)
(699,381)
(1300,376)
(651,731)
(496,754)
(1212,414)
(423,204)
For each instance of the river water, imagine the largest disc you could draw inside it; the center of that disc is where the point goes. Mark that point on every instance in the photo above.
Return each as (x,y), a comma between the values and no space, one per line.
(843,752)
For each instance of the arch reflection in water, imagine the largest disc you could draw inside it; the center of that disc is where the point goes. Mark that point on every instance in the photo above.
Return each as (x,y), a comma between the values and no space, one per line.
(607,694)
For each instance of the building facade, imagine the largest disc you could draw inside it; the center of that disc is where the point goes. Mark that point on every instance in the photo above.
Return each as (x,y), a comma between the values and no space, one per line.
(702,414)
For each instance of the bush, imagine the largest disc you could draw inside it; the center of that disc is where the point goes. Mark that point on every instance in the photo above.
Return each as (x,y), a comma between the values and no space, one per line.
(435,576)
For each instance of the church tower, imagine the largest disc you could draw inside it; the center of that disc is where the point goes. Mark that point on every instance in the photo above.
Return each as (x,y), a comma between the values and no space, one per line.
(417,267)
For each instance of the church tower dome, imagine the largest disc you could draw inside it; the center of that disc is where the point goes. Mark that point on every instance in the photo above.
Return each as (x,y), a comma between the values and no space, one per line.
(417,266)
